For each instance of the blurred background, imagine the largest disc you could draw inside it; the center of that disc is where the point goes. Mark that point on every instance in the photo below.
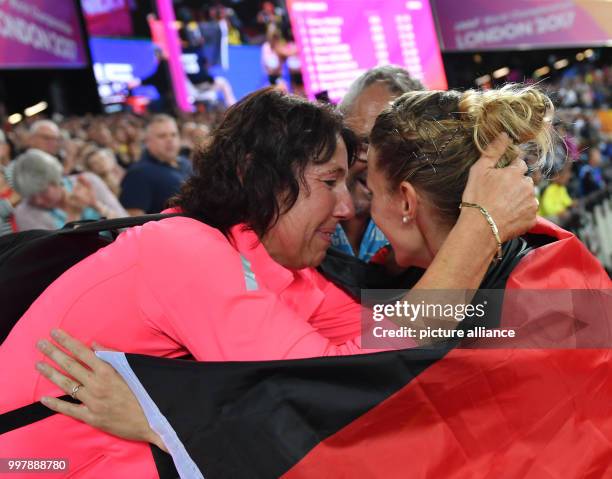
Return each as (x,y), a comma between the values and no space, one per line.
(98,69)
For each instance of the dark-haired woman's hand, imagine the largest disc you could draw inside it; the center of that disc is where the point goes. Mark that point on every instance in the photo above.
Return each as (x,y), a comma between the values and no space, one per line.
(506,193)
(108,402)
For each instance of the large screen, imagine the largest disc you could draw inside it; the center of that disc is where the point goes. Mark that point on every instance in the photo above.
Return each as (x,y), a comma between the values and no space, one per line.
(122,68)
(40,34)
(107,17)
(487,25)
(340,39)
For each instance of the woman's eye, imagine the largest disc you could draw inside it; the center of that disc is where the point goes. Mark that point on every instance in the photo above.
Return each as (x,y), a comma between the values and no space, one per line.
(330,183)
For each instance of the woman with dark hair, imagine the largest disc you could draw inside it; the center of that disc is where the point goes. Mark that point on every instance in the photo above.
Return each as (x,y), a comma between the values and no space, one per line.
(234,278)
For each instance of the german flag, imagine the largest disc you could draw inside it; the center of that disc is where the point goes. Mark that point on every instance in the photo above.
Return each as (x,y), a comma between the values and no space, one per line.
(434,413)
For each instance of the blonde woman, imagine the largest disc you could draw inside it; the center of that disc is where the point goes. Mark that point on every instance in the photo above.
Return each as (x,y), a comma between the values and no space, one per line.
(421,151)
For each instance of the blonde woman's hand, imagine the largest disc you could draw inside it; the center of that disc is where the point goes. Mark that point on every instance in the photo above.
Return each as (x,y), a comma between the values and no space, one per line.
(506,193)
(108,403)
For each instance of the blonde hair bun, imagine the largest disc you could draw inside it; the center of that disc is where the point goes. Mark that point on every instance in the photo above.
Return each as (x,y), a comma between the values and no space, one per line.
(523,112)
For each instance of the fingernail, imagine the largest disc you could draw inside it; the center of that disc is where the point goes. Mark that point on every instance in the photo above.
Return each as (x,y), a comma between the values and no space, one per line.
(41,366)
(55,333)
(45,400)
(42,345)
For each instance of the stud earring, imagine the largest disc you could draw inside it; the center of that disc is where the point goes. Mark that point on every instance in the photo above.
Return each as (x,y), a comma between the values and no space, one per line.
(405,219)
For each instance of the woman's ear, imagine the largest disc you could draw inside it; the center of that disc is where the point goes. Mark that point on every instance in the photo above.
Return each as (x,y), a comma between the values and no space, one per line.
(410,200)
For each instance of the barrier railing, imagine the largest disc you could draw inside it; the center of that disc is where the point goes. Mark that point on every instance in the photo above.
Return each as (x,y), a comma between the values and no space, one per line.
(594,225)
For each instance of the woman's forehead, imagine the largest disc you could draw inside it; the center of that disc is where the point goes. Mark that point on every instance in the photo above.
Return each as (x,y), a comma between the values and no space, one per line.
(334,166)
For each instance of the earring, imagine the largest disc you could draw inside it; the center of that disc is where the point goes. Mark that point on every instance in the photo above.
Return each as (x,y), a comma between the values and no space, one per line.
(405,219)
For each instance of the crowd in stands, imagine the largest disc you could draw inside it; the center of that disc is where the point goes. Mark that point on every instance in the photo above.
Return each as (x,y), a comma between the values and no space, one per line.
(581,170)
(201,24)
(207,31)
(83,168)
(587,87)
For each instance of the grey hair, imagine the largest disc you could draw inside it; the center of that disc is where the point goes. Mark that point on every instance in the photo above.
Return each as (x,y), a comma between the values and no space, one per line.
(395,78)
(159,118)
(34,171)
(38,124)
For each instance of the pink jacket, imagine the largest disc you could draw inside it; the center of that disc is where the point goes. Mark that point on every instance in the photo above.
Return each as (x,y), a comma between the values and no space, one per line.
(168,288)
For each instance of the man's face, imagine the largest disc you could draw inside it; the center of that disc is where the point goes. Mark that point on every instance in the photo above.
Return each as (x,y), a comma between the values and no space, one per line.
(367,106)
(47,138)
(163,141)
(49,198)
(102,135)
(595,157)
(102,162)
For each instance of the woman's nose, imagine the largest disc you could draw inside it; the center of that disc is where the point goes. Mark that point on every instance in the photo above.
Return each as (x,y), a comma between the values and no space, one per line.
(345,209)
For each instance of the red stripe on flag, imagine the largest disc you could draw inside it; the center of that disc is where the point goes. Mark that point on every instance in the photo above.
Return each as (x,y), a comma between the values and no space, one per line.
(483,414)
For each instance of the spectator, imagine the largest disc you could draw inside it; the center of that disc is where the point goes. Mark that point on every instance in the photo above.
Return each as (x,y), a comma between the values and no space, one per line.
(71,160)
(50,200)
(45,135)
(591,176)
(211,31)
(294,65)
(101,135)
(151,182)
(368,95)
(20,139)
(269,15)
(555,202)
(103,163)
(189,31)
(205,88)
(228,23)
(162,83)
(5,149)
(8,199)
(193,136)
(271,56)
(186,138)
(126,142)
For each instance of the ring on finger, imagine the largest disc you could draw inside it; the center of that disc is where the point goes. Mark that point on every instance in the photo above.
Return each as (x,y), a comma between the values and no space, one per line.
(75,390)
